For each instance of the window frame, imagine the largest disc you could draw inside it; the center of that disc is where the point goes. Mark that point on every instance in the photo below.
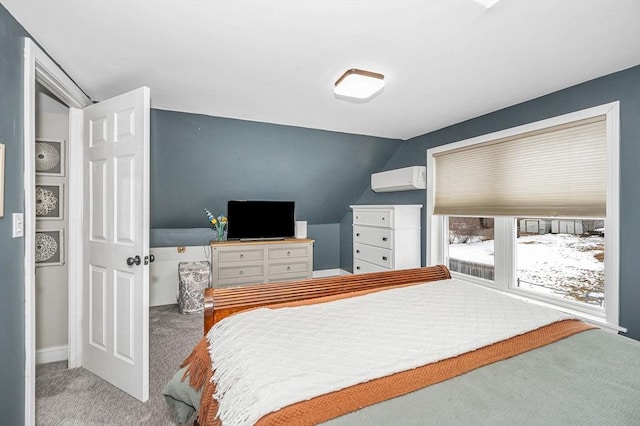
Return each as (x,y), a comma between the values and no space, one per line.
(505,232)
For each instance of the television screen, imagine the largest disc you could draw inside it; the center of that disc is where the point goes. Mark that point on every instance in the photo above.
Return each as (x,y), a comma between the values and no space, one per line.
(260,219)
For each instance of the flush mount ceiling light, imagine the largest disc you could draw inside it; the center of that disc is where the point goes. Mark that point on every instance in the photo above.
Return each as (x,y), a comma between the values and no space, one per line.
(359,84)
(487,3)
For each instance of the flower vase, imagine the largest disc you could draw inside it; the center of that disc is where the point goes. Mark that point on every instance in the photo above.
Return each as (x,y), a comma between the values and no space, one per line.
(219,234)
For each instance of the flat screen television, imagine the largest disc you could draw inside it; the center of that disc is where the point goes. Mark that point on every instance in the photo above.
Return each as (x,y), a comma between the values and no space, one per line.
(260,220)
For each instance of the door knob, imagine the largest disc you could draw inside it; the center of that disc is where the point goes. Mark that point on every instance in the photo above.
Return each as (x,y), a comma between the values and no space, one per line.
(133,260)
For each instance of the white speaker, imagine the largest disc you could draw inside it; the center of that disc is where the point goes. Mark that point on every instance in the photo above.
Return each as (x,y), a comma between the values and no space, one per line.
(301,229)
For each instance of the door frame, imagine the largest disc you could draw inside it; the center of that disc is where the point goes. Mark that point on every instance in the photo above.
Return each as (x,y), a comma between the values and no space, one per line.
(38,67)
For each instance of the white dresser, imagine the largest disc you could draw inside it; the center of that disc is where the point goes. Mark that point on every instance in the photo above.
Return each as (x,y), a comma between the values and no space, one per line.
(236,263)
(386,237)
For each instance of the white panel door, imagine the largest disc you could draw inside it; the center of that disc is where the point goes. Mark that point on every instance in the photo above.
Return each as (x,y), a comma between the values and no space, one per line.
(116,241)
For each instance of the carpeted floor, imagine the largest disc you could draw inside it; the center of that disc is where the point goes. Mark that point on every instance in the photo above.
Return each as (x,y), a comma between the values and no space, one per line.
(78,397)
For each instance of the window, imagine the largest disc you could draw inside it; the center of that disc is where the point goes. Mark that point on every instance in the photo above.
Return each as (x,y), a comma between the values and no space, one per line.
(561,258)
(530,210)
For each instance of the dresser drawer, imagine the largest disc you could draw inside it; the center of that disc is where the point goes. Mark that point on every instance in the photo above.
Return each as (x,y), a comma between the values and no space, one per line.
(297,268)
(362,267)
(247,270)
(379,237)
(376,255)
(288,252)
(240,254)
(382,217)
(287,271)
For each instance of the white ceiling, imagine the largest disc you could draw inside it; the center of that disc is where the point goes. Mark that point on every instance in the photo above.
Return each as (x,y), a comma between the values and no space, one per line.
(444,61)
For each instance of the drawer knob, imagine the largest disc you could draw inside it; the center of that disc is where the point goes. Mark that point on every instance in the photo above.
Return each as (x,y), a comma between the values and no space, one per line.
(358,234)
(241,256)
(288,253)
(357,251)
(384,257)
(288,268)
(384,238)
(357,267)
(241,272)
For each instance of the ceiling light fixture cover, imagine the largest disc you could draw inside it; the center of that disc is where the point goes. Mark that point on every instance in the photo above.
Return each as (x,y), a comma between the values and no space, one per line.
(359,84)
(487,3)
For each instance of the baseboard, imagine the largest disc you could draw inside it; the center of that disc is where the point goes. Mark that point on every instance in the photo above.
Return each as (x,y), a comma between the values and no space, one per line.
(330,273)
(52,354)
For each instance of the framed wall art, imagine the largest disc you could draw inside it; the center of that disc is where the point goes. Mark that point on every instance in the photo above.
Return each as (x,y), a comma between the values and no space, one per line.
(49,201)
(50,157)
(1,180)
(49,247)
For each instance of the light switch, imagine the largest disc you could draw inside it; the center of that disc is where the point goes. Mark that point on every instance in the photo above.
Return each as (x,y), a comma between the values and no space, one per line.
(18,225)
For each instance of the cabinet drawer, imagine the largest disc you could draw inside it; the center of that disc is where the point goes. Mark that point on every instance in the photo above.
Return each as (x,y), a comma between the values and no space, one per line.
(376,255)
(383,218)
(362,267)
(288,252)
(297,268)
(240,254)
(380,237)
(242,271)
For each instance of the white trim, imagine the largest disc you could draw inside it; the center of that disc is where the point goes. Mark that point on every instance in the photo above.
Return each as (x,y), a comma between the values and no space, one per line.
(504,226)
(29,233)
(329,273)
(52,354)
(39,67)
(612,222)
(75,227)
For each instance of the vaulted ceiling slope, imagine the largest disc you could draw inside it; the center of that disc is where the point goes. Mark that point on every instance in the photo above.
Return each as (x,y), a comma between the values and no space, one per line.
(277,61)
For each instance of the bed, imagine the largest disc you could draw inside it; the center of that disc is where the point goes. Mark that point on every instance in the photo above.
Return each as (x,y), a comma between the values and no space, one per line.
(401,347)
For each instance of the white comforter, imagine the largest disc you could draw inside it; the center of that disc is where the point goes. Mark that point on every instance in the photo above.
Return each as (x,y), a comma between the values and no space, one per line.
(266,359)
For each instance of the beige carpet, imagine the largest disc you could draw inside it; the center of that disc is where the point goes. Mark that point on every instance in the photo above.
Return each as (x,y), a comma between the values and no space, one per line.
(78,397)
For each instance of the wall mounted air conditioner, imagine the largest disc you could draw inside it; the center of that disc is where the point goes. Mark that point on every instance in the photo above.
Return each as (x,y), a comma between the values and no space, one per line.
(405,179)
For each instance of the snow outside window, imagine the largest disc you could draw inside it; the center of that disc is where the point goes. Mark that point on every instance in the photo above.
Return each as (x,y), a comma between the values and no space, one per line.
(554,258)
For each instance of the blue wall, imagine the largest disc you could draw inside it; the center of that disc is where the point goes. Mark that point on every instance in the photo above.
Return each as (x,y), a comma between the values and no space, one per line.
(12,354)
(623,86)
(200,161)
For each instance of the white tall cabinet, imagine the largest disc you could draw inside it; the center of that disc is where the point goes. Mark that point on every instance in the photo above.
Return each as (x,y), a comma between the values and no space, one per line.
(386,237)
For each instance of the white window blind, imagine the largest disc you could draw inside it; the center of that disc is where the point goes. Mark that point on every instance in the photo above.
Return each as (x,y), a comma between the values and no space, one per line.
(558,171)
